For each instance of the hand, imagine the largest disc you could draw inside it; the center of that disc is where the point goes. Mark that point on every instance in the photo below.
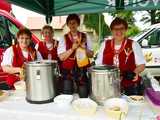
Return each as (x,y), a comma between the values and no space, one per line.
(17,70)
(55,44)
(135,78)
(75,46)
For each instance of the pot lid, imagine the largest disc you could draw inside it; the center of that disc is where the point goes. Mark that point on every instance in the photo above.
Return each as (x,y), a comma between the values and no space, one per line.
(104,67)
(42,62)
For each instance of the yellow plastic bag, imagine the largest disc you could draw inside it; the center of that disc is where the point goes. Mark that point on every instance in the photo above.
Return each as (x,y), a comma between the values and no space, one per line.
(81,57)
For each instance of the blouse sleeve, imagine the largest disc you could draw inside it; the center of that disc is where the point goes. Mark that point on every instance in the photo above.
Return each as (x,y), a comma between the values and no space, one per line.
(139,58)
(7,57)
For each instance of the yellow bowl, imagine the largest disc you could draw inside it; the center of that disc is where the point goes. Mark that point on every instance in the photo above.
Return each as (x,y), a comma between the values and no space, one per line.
(116,115)
(116,108)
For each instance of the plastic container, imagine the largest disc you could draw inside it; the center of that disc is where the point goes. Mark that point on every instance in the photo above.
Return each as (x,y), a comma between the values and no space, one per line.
(63,101)
(85,106)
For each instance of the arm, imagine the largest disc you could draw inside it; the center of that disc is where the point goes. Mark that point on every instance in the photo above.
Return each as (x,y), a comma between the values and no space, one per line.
(90,53)
(11,70)
(62,53)
(55,43)
(139,59)
(63,56)
(7,62)
(139,69)
(89,50)
(99,58)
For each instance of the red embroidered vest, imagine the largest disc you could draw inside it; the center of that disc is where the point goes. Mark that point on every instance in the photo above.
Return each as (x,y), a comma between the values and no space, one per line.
(18,61)
(70,63)
(124,65)
(45,52)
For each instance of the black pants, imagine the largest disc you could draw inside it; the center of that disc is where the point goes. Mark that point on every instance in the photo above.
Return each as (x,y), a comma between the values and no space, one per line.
(78,76)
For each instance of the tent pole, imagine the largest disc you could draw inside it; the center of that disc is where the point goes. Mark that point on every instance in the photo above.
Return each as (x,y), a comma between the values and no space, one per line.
(119,4)
(100,28)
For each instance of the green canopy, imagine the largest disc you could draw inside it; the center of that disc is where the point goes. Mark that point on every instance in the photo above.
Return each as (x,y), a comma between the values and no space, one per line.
(63,7)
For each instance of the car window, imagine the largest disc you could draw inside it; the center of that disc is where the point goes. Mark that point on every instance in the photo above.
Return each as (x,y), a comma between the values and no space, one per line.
(4,38)
(158,36)
(152,40)
(13,29)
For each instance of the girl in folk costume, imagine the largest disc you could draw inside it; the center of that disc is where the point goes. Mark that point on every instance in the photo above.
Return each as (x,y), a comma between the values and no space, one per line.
(48,47)
(67,52)
(125,54)
(16,55)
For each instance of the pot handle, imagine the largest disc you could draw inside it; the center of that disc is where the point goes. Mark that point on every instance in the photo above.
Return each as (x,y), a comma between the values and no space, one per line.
(57,71)
(38,75)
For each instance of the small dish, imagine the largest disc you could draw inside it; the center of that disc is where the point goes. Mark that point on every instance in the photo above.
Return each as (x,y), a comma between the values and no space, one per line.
(63,100)
(136,99)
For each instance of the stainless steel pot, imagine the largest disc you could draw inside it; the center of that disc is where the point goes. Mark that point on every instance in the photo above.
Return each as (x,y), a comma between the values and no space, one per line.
(105,83)
(40,77)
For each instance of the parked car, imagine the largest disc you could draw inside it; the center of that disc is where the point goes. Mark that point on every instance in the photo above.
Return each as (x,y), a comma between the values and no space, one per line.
(149,39)
(9,26)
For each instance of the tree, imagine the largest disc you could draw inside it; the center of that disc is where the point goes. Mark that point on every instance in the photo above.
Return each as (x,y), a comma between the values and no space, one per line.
(91,21)
(129,17)
(153,16)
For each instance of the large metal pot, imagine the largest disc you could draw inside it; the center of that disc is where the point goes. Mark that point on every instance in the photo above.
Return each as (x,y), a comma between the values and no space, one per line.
(40,77)
(105,83)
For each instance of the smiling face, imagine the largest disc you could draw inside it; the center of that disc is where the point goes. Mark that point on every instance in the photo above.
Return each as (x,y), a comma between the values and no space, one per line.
(24,41)
(73,25)
(47,34)
(119,32)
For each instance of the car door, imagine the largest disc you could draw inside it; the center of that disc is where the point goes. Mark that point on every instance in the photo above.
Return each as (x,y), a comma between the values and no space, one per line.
(5,41)
(8,32)
(12,30)
(151,48)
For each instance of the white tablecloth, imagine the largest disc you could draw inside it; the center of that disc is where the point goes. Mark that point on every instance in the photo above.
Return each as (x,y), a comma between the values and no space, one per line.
(14,108)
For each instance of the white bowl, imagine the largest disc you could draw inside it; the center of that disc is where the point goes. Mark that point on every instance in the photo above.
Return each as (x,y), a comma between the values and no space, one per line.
(63,100)
(85,106)
(116,108)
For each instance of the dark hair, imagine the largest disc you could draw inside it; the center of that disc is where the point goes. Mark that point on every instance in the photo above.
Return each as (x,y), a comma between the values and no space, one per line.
(24,31)
(73,17)
(118,21)
(48,27)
